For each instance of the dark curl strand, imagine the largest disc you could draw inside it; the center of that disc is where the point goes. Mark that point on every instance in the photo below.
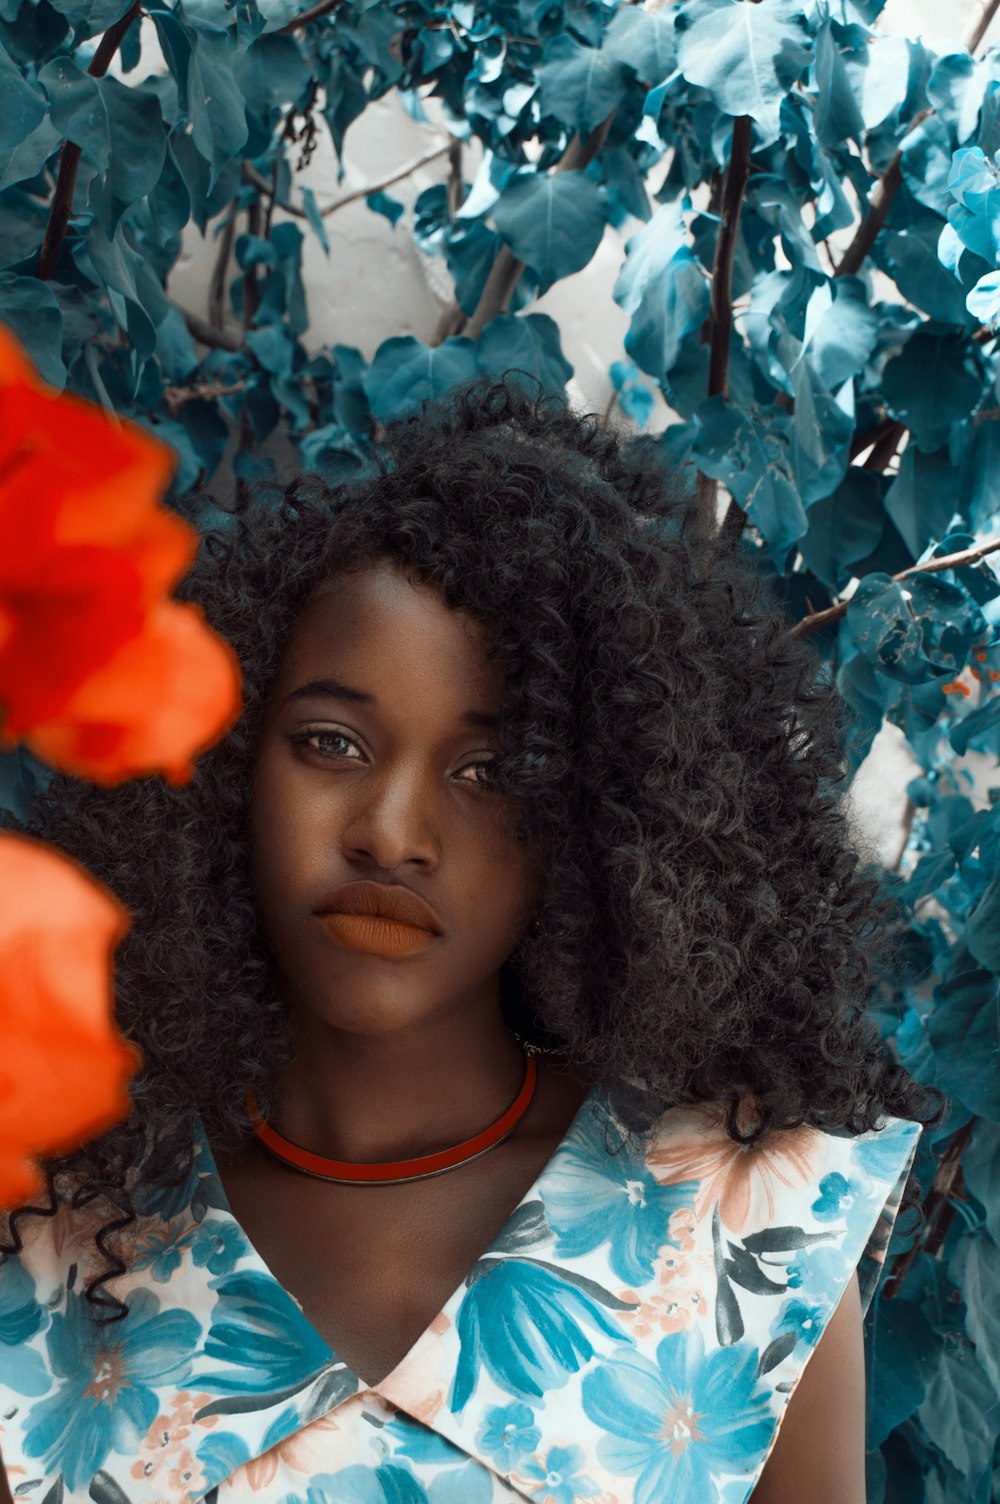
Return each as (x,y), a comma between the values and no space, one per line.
(707,933)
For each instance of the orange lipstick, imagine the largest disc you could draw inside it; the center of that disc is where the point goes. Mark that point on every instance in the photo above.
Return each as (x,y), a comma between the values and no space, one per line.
(375,935)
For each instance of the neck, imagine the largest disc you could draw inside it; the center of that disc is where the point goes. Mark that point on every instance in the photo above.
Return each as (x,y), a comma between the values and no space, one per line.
(400,1094)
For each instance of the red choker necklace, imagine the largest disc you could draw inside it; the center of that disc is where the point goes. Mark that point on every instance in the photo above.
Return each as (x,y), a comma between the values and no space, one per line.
(391,1172)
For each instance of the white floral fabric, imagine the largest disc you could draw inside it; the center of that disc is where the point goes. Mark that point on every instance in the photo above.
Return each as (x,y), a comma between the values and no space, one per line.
(632,1336)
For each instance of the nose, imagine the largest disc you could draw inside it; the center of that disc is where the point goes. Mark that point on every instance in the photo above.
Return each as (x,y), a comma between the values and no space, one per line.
(393,821)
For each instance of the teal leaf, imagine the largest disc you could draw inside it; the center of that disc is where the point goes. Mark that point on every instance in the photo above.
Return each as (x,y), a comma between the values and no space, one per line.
(404,371)
(26,159)
(23,103)
(910,256)
(961,1412)
(844,527)
(218,110)
(934,382)
(579,85)
(922,499)
(644,40)
(31,309)
(553,223)
(664,289)
(525,342)
(902,1356)
(383,203)
(90,17)
(837,116)
(746,56)
(963,1029)
(315,218)
(975,1266)
(138,300)
(750,455)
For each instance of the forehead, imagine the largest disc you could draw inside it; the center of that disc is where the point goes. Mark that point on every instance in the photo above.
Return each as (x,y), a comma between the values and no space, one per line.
(380,622)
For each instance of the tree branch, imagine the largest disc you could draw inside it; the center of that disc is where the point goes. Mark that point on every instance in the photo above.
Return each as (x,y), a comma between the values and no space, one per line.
(733,188)
(262,185)
(217,285)
(982,25)
(817,619)
(176,397)
(69,157)
(506,269)
(947,1184)
(314,13)
(207,334)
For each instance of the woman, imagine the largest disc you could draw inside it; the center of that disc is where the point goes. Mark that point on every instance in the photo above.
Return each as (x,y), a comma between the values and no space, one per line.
(509,1126)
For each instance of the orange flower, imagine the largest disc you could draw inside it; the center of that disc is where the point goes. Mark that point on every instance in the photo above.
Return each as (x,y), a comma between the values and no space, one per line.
(64,1066)
(744,1180)
(100,672)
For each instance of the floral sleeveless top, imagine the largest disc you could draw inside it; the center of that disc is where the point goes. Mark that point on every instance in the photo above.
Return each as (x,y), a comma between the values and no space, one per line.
(632,1336)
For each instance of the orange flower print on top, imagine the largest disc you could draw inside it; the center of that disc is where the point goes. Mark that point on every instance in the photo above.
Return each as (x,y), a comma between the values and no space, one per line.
(744,1180)
(64,1066)
(682,1276)
(303,1453)
(167,1455)
(101,673)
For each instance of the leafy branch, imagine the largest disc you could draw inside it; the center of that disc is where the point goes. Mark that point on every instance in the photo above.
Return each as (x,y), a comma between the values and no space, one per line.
(505,273)
(939,1209)
(260,182)
(817,619)
(732,191)
(69,157)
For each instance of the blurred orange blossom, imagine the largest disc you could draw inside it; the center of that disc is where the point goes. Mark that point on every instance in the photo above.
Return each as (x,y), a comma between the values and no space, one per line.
(101,673)
(106,677)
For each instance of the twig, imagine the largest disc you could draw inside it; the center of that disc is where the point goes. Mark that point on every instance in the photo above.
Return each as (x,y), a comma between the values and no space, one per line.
(982,26)
(947,1183)
(721,317)
(251,297)
(885,447)
(733,187)
(506,269)
(176,397)
(817,619)
(262,185)
(863,441)
(207,334)
(69,157)
(314,13)
(217,285)
(456,180)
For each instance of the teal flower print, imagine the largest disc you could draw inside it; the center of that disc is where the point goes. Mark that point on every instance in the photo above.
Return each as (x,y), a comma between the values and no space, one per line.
(593,1197)
(21,1316)
(218,1245)
(507,1434)
(257,1329)
(558,1479)
(526,1326)
(834,1190)
(160,1248)
(806,1321)
(677,1421)
(360,1484)
(108,1375)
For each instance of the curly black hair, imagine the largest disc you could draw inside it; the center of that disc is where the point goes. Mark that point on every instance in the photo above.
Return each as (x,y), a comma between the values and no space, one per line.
(708,932)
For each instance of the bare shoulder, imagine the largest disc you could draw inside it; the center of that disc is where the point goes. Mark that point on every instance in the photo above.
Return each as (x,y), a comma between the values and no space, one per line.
(819,1452)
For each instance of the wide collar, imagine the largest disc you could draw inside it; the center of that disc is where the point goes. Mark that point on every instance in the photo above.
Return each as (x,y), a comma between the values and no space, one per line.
(682,1276)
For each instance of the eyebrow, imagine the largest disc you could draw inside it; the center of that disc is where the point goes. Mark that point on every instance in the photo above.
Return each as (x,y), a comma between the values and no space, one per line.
(334,689)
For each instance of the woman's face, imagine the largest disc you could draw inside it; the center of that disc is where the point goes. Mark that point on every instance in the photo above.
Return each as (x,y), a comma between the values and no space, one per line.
(368,769)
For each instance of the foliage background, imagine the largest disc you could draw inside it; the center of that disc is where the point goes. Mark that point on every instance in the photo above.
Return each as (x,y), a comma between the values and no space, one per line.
(811,216)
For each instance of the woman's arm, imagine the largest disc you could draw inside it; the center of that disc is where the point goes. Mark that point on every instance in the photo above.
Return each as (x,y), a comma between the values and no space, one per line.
(819,1453)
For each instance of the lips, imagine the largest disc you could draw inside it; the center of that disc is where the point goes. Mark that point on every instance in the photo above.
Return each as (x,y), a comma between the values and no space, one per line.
(377,937)
(381,901)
